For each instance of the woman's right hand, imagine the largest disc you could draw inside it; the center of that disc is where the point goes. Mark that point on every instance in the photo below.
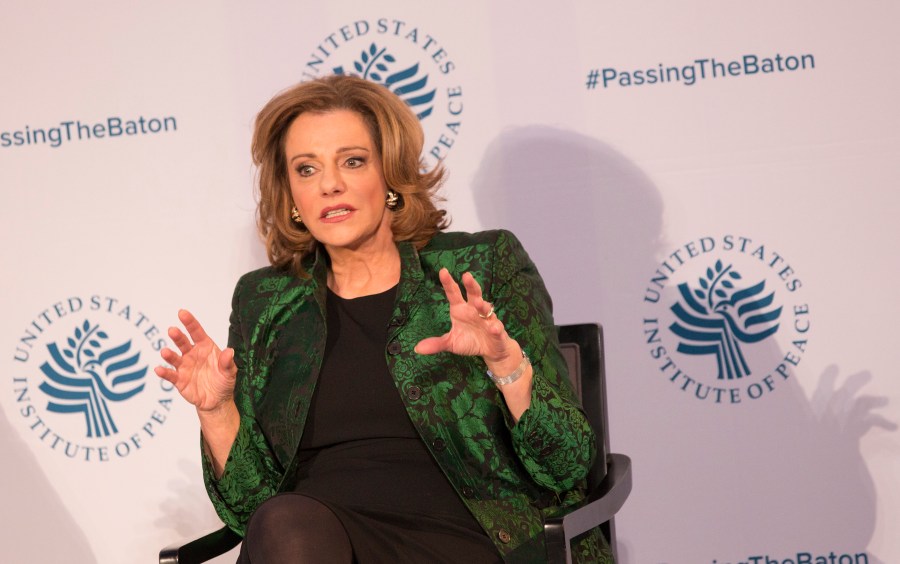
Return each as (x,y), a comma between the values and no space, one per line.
(203,374)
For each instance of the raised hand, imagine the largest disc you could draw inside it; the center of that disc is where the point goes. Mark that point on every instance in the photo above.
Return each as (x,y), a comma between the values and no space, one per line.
(203,374)
(474,329)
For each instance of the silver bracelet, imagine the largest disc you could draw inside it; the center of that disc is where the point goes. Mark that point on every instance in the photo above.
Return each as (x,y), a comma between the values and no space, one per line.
(516,374)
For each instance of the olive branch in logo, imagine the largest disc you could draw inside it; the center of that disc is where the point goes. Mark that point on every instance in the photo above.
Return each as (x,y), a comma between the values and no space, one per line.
(368,59)
(718,317)
(373,64)
(84,376)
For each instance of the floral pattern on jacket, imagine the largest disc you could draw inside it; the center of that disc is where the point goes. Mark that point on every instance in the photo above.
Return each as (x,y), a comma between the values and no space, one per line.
(509,474)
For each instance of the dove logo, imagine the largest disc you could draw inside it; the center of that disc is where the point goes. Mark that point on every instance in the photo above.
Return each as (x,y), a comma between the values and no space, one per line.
(82,380)
(409,62)
(85,375)
(725,320)
(718,316)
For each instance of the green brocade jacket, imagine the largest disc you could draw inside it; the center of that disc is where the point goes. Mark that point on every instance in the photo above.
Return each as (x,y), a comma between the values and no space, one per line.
(508,474)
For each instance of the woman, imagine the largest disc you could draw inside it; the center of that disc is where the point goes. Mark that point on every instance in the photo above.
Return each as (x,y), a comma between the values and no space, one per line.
(366,408)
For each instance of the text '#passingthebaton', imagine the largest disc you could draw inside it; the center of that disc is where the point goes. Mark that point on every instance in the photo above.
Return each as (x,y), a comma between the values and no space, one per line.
(697,70)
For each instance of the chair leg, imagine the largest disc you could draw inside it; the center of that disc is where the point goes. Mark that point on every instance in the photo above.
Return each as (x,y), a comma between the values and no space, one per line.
(609,530)
(558,549)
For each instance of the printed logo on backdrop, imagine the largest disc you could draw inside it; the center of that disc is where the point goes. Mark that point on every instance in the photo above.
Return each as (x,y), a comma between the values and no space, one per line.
(408,61)
(725,319)
(83,385)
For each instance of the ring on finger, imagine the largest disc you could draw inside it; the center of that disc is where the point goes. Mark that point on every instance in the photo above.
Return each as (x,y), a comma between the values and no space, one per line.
(488,315)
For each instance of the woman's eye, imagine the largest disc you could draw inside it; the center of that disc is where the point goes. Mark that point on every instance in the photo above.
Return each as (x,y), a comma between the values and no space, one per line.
(354,162)
(305,170)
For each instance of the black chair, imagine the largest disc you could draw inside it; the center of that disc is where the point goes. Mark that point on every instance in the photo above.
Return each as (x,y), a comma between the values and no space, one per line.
(609,481)
(200,550)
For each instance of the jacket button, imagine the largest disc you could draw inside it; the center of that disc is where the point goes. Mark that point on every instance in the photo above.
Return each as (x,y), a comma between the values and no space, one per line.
(414,393)
(504,536)
(467,491)
(394,347)
(439,445)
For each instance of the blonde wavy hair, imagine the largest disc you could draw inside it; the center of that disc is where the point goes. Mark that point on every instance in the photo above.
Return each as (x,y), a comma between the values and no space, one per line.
(398,139)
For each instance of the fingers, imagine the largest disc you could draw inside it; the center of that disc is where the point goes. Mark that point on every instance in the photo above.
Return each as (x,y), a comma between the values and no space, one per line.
(476,300)
(432,345)
(166,374)
(226,363)
(169,373)
(174,378)
(451,288)
(195,330)
(180,339)
(473,291)
(171,357)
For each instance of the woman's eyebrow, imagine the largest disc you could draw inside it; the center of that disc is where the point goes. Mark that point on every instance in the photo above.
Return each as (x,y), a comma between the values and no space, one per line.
(340,150)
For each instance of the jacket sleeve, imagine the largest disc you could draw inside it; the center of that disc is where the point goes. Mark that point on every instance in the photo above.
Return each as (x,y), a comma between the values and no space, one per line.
(552,438)
(251,474)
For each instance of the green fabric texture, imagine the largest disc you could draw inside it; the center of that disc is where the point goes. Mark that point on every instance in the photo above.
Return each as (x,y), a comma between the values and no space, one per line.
(510,475)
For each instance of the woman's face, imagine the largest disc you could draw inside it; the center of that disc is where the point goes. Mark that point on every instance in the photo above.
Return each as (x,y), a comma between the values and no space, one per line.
(336,181)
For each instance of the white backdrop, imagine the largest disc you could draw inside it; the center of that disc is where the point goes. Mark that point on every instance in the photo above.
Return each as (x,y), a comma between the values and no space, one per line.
(127,186)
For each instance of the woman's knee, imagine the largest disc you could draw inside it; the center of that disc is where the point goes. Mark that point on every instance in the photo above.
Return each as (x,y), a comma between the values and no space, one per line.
(295,528)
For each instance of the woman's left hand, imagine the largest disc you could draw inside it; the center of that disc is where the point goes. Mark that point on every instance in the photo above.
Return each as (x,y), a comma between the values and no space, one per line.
(474,329)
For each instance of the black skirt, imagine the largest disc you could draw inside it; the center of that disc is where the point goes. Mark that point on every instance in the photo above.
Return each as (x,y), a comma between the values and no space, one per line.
(395,504)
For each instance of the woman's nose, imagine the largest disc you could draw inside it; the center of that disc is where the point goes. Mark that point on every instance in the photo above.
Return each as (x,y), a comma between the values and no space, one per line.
(332,181)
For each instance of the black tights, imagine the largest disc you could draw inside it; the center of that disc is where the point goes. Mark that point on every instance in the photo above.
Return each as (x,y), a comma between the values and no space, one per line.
(292,528)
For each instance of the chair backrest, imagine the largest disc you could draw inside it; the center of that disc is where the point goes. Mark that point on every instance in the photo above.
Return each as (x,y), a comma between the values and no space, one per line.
(582,347)
(609,481)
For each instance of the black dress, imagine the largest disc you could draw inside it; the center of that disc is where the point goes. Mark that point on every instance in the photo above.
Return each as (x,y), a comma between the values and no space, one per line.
(361,456)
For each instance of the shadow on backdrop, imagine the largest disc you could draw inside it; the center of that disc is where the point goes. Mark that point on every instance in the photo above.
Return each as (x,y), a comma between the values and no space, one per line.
(32,509)
(186,512)
(775,476)
(591,221)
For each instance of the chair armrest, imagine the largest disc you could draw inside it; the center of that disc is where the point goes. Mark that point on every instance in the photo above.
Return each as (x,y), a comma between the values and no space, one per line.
(600,506)
(200,550)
